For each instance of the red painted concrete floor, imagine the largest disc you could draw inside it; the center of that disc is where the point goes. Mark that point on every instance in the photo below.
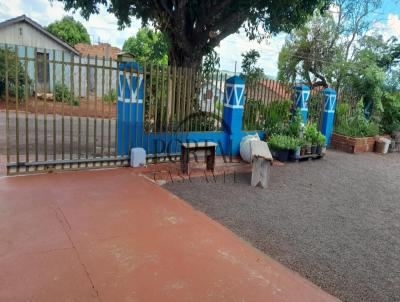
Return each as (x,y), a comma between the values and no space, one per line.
(171,171)
(113,235)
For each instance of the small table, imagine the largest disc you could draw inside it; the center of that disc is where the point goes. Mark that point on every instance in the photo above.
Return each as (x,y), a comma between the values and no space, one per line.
(208,147)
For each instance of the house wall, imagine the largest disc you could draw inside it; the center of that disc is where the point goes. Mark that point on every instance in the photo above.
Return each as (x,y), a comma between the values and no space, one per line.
(209,95)
(22,33)
(25,39)
(87,75)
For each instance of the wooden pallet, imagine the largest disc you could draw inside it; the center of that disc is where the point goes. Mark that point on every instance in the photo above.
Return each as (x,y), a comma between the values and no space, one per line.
(309,157)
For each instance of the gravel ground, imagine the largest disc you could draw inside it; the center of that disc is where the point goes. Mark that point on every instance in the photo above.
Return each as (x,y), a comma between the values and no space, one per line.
(335,221)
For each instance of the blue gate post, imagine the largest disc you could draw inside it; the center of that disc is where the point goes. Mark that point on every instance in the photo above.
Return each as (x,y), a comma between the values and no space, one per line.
(329,114)
(130,107)
(301,95)
(233,112)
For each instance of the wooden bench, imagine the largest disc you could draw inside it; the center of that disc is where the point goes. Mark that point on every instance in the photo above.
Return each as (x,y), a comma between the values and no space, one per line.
(208,147)
(261,160)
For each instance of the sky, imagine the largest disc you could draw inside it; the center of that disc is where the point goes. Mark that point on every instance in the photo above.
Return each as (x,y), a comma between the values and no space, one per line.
(103,27)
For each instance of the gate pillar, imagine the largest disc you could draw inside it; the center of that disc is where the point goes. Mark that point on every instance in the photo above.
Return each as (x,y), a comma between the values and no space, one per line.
(329,114)
(233,112)
(301,96)
(130,106)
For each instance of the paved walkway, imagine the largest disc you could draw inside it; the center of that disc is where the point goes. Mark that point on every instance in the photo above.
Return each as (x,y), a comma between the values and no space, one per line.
(116,236)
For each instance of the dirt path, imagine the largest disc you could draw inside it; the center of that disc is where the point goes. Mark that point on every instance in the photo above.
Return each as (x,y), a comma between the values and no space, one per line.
(335,221)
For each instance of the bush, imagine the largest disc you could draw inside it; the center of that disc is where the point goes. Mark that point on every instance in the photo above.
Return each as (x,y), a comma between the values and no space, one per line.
(12,77)
(63,94)
(274,118)
(355,124)
(277,117)
(390,122)
(110,97)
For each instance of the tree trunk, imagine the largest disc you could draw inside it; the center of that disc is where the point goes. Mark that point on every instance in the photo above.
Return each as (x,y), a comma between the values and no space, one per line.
(189,58)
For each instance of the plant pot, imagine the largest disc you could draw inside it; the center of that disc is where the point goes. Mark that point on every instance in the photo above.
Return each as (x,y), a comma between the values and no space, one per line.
(282,155)
(308,150)
(302,151)
(352,144)
(382,145)
(313,149)
(294,154)
(297,153)
(319,150)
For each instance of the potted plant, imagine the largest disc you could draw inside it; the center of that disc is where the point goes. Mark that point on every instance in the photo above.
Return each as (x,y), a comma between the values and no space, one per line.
(307,146)
(281,144)
(311,135)
(294,146)
(297,151)
(320,143)
(303,149)
(353,133)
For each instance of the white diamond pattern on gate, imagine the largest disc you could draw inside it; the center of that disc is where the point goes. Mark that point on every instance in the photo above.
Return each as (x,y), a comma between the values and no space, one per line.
(234,95)
(130,86)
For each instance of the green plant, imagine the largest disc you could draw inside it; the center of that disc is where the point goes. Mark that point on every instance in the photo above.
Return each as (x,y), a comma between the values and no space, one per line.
(149,46)
(321,139)
(311,133)
(69,30)
(63,94)
(297,123)
(355,124)
(110,97)
(390,122)
(306,143)
(15,75)
(276,117)
(193,28)
(283,142)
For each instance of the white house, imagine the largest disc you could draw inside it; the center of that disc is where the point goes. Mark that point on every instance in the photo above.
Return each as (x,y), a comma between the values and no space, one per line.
(210,95)
(36,46)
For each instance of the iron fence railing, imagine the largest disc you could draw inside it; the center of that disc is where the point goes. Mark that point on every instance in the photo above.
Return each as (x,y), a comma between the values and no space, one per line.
(263,95)
(60,110)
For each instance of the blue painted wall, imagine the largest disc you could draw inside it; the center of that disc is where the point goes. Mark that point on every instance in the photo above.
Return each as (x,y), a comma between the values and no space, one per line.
(130,120)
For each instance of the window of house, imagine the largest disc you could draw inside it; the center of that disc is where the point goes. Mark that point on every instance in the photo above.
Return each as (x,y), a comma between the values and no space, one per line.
(43,70)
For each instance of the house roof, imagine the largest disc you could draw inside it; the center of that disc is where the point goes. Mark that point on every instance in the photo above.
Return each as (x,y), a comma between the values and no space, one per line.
(277,87)
(100,50)
(37,26)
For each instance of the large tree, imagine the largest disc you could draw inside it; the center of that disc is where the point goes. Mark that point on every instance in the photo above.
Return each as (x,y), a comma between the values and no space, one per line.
(195,27)
(69,30)
(320,51)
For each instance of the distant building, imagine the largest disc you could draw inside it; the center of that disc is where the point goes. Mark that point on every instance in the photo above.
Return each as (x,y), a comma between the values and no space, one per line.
(32,37)
(269,90)
(26,32)
(48,52)
(210,95)
(266,91)
(100,50)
